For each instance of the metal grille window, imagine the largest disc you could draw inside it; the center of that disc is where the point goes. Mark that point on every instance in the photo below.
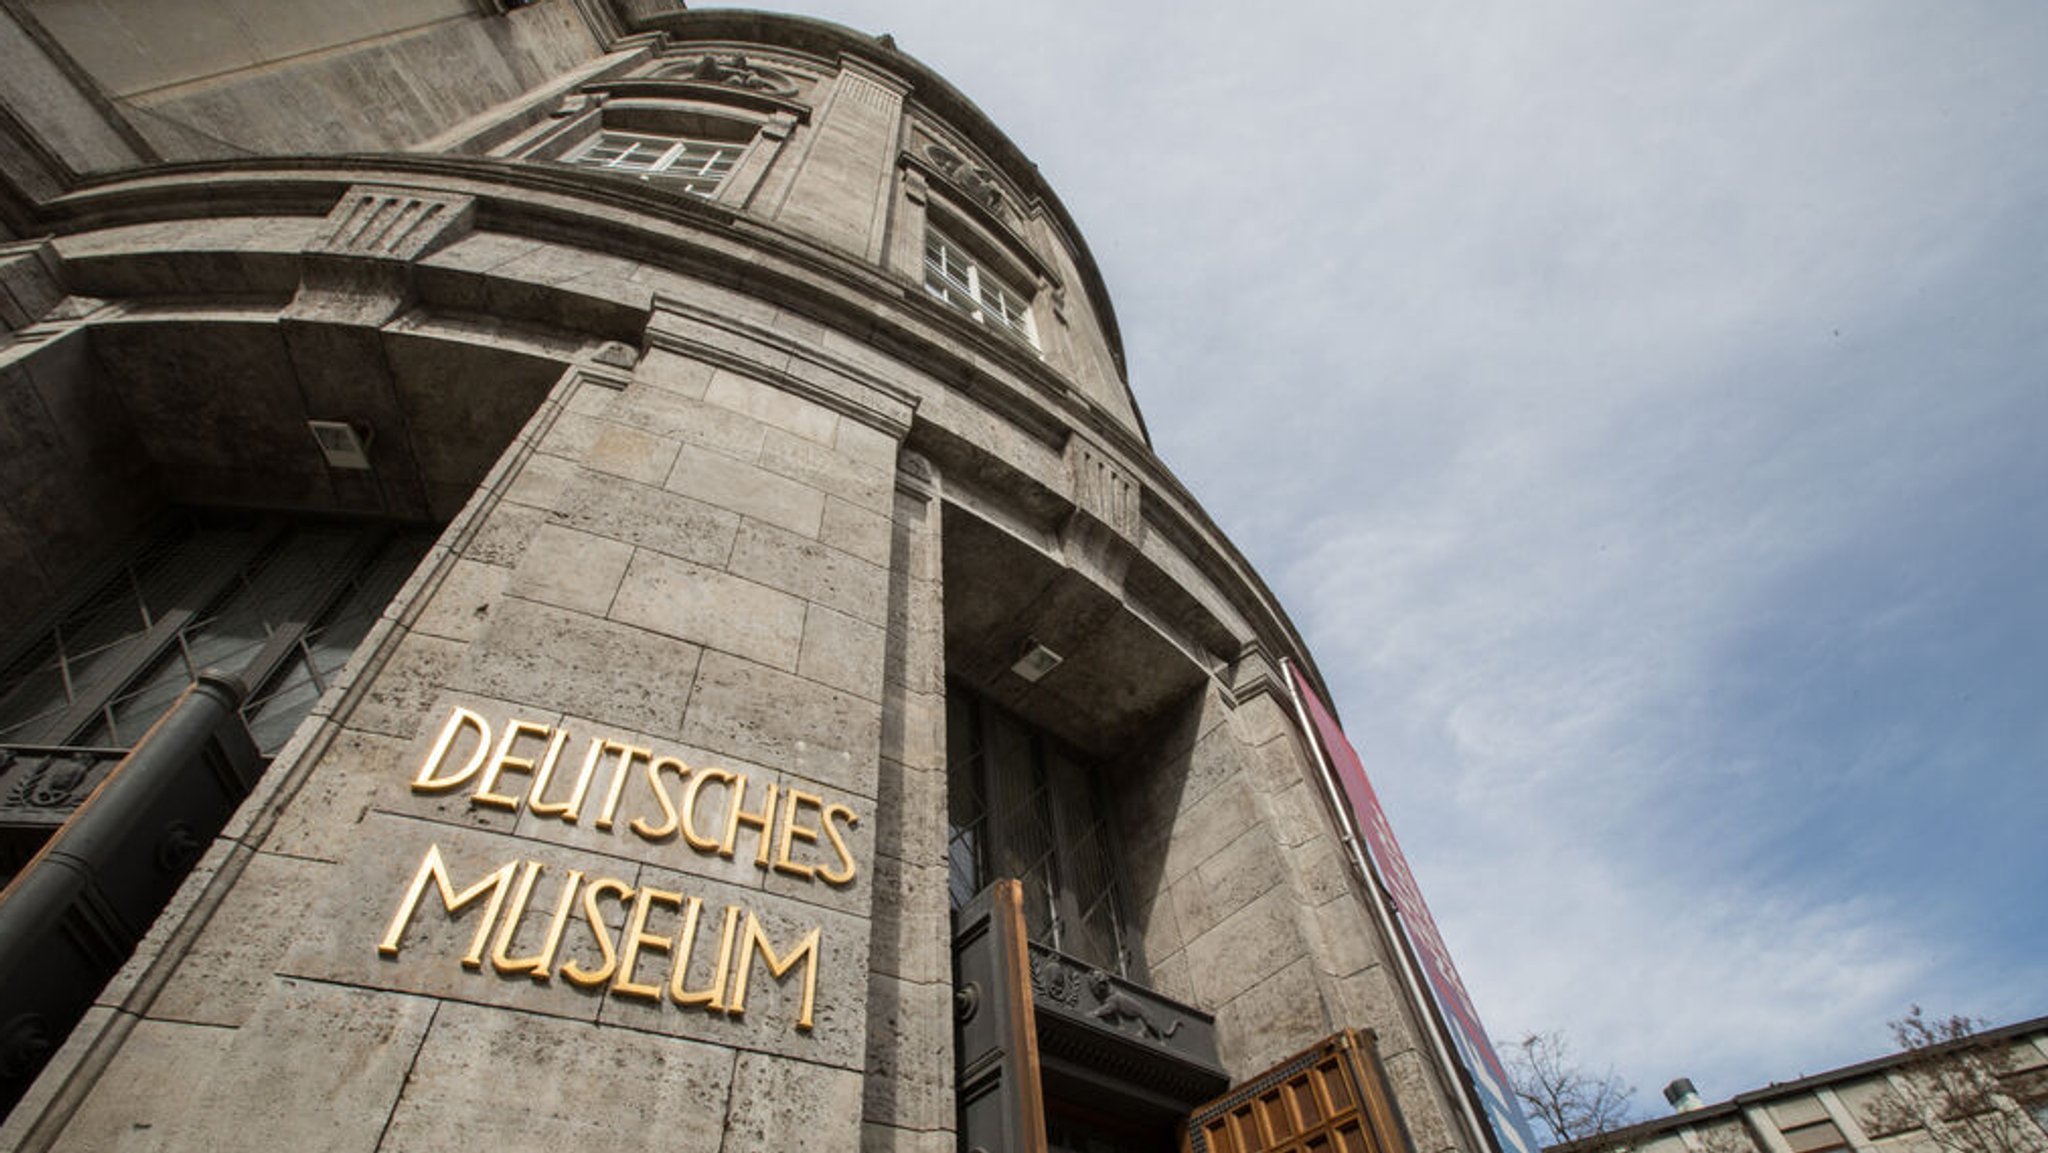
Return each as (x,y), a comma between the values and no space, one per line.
(281,604)
(695,166)
(1020,806)
(965,285)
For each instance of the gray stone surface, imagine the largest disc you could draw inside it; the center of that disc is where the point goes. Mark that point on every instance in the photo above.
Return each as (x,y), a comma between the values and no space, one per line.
(1248,947)
(571,569)
(330,1060)
(841,651)
(488,1079)
(863,483)
(648,517)
(461,606)
(146,1092)
(852,529)
(780,1104)
(746,710)
(691,421)
(395,699)
(550,658)
(811,570)
(773,407)
(748,490)
(1241,872)
(1266,1022)
(629,453)
(226,970)
(710,608)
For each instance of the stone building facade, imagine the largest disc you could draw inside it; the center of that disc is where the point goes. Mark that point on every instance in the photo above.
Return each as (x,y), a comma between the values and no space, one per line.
(665,486)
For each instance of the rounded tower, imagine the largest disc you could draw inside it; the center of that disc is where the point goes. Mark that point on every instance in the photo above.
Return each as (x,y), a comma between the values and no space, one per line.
(715,658)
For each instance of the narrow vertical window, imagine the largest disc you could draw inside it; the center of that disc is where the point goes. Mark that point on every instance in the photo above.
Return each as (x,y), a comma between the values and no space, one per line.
(1022,807)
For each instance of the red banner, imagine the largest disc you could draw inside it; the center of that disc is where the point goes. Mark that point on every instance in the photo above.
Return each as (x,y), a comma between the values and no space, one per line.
(1391,866)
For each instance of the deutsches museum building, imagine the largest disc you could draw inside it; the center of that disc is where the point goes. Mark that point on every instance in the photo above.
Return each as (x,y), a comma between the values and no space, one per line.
(586,575)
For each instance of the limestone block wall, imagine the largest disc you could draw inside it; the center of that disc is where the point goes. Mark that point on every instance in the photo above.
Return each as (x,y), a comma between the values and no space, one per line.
(1247,906)
(506,883)
(225,78)
(69,478)
(684,561)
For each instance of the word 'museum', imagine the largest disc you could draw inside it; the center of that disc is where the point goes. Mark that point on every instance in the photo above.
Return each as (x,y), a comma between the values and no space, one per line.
(795,833)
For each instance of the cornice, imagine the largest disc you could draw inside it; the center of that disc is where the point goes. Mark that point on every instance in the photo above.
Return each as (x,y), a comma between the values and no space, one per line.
(714,243)
(927,88)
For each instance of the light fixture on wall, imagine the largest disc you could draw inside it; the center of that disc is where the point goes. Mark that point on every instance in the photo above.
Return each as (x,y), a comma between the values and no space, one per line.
(1036,661)
(344,445)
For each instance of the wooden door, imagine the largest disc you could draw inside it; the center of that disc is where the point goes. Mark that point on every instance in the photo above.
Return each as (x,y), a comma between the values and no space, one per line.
(1332,1098)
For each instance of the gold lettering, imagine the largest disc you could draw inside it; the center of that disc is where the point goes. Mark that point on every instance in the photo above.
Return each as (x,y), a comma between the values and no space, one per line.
(670,819)
(847,870)
(502,760)
(576,974)
(636,938)
(736,814)
(792,799)
(697,840)
(546,772)
(711,997)
(627,755)
(572,809)
(545,959)
(514,913)
(460,719)
(756,941)
(433,868)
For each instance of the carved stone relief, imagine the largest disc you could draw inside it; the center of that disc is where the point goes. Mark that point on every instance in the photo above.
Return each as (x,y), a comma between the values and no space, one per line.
(977,182)
(732,70)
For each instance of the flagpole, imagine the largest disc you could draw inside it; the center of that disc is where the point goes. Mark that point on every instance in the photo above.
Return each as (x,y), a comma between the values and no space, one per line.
(1405,962)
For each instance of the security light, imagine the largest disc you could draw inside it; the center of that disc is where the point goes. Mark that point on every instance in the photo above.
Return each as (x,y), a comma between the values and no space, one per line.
(1036,661)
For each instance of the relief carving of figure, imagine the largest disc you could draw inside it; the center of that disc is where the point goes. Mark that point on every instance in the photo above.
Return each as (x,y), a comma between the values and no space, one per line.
(1119,1008)
(734,71)
(971,178)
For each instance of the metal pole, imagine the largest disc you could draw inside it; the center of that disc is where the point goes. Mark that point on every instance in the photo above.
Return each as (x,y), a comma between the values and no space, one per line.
(1481,1132)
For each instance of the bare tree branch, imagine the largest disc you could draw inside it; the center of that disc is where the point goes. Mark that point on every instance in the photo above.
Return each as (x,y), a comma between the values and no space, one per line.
(1961,1088)
(1562,1096)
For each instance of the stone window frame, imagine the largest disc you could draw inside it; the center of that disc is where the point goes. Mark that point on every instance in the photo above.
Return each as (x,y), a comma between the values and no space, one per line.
(759,136)
(925,198)
(997,254)
(699,167)
(975,287)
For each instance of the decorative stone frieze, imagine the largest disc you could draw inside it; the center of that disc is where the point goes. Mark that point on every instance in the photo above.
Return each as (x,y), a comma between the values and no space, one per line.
(978,183)
(1101,535)
(384,223)
(731,70)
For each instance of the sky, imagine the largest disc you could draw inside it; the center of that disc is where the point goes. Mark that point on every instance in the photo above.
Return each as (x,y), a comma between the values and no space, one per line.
(1636,407)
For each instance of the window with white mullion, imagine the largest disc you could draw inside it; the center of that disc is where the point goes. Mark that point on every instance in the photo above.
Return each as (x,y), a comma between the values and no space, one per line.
(699,166)
(955,278)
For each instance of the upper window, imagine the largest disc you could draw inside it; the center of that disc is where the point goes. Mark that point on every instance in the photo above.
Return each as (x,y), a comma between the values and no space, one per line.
(696,166)
(953,276)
